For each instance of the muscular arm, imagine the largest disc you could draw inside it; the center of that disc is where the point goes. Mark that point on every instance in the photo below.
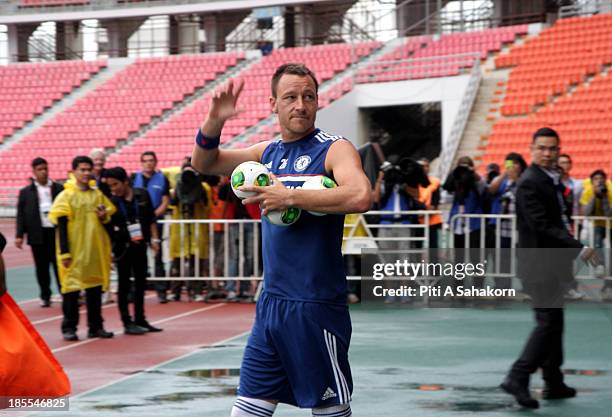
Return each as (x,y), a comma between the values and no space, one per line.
(222,162)
(353,194)
(217,161)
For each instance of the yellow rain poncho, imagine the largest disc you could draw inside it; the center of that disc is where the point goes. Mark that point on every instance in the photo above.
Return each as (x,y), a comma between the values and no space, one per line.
(177,246)
(89,243)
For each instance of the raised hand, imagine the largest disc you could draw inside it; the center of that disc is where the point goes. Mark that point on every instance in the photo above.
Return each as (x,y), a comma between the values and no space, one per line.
(224,99)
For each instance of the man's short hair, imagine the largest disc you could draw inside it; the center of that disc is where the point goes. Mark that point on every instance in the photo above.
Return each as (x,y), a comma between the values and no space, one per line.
(38,161)
(117,173)
(564,155)
(149,153)
(81,159)
(96,151)
(546,131)
(292,69)
(598,172)
(518,158)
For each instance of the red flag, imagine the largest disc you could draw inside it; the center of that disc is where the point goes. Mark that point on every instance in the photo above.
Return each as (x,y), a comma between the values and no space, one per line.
(27,366)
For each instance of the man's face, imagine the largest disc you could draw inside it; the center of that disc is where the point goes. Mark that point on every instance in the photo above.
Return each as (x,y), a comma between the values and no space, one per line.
(82,173)
(425,166)
(118,188)
(597,181)
(41,173)
(296,104)
(99,160)
(148,163)
(565,164)
(545,151)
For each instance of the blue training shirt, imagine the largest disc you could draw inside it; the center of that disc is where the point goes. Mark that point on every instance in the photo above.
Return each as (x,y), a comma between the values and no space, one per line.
(303,261)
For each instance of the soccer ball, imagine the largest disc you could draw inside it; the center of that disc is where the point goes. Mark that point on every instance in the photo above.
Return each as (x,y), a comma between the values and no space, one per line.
(318,182)
(285,217)
(249,173)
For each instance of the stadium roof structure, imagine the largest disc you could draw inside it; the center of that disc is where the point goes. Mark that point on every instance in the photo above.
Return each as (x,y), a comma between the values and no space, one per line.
(11,14)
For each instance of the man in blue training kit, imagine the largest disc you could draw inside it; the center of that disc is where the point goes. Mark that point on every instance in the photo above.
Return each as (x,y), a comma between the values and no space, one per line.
(298,349)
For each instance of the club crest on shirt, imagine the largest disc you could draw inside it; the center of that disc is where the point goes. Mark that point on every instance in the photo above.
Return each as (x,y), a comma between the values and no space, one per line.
(301,163)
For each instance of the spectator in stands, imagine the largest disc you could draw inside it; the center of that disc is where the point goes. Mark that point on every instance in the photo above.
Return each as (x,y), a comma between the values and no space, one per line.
(493,171)
(133,228)
(503,192)
(158,187)
(84,255)
(430,197)
(98,156)
(191,199)
(596,200)
(572,192)
(33,207)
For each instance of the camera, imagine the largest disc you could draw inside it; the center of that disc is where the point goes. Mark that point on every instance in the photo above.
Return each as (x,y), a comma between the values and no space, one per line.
(406,171)
(189,190)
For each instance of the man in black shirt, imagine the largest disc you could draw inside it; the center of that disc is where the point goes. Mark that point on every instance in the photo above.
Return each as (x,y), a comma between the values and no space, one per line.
(158,186)
(133,227)
(33,206)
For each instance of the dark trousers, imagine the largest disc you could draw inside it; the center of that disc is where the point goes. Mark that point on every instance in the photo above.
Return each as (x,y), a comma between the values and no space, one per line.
(160,270)
(132,264)
(544,348)
(44,257)
(70,307)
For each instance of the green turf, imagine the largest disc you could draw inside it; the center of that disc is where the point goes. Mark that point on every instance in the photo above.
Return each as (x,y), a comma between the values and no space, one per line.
(22,285)
(395,350)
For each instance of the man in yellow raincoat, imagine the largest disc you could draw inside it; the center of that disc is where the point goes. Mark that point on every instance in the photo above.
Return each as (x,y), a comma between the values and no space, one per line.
(83,248)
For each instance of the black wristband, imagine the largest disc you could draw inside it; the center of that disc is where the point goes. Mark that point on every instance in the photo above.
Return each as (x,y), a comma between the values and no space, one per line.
(206,142)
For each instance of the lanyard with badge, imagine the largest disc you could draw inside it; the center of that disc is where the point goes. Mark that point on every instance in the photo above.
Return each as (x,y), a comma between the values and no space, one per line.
(134,229)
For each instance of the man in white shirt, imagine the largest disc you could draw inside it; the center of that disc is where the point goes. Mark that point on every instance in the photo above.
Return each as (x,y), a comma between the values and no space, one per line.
(33,206)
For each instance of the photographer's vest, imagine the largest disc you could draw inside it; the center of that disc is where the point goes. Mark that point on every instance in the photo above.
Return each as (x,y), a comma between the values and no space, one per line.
(155,186)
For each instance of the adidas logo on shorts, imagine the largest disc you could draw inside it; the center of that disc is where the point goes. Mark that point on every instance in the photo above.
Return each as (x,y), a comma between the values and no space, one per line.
(329,393)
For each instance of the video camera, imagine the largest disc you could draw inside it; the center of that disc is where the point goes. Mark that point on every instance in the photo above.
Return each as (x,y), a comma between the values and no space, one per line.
(189,191)
(406,171)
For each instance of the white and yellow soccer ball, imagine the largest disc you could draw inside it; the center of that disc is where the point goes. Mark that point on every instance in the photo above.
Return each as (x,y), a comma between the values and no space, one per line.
(318,182)
(249,173)
(284,217)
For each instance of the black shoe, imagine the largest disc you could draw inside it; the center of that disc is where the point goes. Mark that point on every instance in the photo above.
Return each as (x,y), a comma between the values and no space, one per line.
(163,299)
(45,303)
(101,333)
(175,297)
(134,329)
(148,327)
(520,392)
(70,336)
(558,392)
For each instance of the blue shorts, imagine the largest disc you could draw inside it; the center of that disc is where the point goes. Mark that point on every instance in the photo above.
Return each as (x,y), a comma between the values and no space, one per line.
(298,354)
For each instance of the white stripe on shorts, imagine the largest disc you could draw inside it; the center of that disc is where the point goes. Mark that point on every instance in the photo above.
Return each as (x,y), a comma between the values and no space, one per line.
(341,385)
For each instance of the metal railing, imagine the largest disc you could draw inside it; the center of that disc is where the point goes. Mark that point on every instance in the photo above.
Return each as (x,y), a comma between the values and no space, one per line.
(451,145)
(583,8)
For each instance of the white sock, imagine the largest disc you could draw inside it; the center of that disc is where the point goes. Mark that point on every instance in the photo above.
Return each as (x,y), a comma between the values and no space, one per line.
(251,407)
(342,410)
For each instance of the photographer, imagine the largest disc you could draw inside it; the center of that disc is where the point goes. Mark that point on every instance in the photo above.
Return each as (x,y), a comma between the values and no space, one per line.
(133,228)
(396,190)
(190,200)
(597,201)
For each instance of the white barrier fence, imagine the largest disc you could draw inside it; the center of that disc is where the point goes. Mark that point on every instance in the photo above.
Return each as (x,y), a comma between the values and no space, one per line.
(232,247)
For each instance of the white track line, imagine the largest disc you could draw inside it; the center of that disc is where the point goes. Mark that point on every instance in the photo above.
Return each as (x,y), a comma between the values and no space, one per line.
(221,342)
(178,316)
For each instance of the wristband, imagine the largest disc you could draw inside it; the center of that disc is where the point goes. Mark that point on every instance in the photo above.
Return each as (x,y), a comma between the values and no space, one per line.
(206,142)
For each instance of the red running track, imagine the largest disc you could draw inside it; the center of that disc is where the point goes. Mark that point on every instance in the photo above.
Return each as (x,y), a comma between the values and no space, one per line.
(93,363)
